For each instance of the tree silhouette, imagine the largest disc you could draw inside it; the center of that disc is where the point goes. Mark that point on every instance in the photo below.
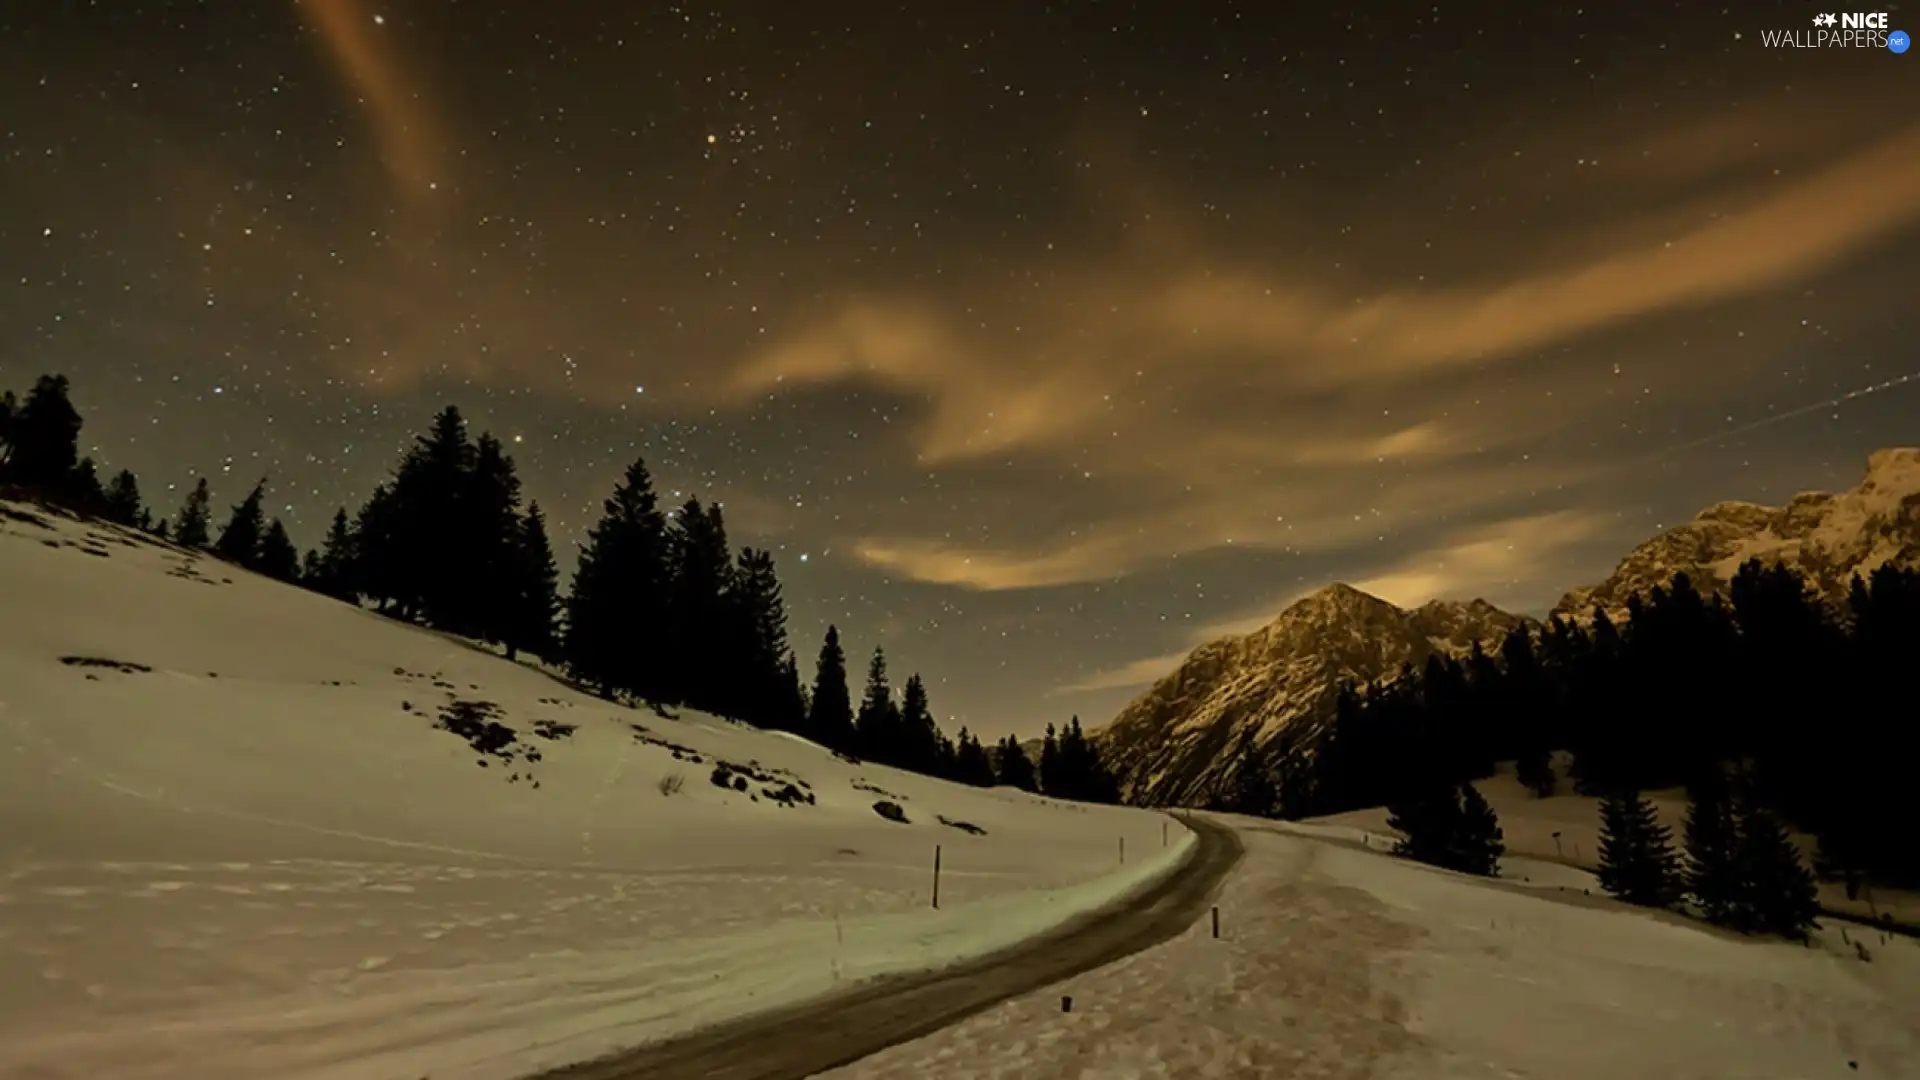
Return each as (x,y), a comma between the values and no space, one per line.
(122,502)
(42,437)
(617,632)
(533,589)
(191,529)
(877,726)
(239,541)
(830,713)
(1012,767)
(276,556)
(1637,861)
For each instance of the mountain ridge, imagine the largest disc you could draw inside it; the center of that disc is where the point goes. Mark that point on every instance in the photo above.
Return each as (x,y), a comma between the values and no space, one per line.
(1171,744)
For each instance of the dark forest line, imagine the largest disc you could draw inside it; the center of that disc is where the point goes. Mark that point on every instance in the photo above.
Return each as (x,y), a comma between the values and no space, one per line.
(662,611)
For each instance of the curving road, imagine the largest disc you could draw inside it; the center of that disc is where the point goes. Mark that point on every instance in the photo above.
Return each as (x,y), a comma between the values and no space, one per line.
(829,1032)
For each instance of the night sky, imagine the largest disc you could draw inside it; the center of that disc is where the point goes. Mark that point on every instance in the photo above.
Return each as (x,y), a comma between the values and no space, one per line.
(1040,341)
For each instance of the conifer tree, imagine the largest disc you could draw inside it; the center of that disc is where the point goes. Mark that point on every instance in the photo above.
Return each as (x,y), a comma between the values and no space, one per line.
(877,726)
(922,744)
(1637,860)
(1481,842)
(1012,767)
(239,542)
(971,765)
(756,635)
(790,705)
(1777,894)
(412,548)
(485,551)
(82,491)
(335,564)
(378,568)
(534,593)
(1049,765)
(1712,838)
(276,556)
(616,626)
(704,659)
(43,438)
(122,503)
(830,708)
(1428,821)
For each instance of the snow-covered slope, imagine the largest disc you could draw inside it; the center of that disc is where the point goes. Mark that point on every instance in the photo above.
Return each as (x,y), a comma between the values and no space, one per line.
(1563,831)
(1826,537)
(237,840)
(1335,961)
(1171,745)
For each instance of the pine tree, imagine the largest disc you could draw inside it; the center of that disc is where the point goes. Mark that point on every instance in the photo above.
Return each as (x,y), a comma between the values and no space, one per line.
(239,542)
(1449,825)
(616,613)
(534,592)
(1012,767)
(1712,838)
(335,564)
(791,703)
(413,550)
(486,549)
(877,726)
(378,568)
(43,438)
(1534,770)
(830,709)
(82,491)
(971,765)
(756,615)
(1429,821)
(1049,770)
(195,516)
(1637,861)
(1777,894)
(704,660)
(123,506)
(923,746)
(1481,843)
(276,556)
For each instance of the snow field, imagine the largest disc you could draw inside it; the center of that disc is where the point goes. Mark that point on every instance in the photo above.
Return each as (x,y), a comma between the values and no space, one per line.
(249,860)
(1338,961)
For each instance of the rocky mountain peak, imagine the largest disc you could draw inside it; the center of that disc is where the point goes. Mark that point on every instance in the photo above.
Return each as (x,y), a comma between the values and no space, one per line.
(1174,743)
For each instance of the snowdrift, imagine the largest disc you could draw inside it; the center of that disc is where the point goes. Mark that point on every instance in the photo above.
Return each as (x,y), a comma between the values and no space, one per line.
(247,831)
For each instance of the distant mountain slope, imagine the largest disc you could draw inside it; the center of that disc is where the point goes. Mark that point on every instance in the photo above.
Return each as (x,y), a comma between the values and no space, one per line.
(1171,745)
(1826,537)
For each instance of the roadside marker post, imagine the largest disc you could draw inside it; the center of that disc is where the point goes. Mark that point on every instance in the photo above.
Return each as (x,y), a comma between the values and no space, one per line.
(936,877)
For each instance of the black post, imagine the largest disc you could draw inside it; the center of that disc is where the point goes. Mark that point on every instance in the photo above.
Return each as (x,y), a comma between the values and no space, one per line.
(1066,1003)
(936,877)
(1216,921)
(1123,849)
(1163,833)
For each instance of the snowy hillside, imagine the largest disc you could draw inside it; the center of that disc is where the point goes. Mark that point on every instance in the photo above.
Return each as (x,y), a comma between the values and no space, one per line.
(246,831)
(1565,830)
(1336,961)
(1172,745)
(1828,538)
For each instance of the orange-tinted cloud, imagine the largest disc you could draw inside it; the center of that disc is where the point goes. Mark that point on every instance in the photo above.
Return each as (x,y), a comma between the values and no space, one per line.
(408,134)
